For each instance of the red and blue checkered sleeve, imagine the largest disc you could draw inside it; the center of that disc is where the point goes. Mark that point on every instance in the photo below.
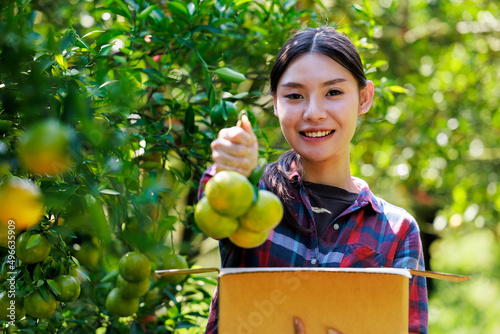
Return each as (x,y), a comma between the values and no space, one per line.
(207,175)
(410,255)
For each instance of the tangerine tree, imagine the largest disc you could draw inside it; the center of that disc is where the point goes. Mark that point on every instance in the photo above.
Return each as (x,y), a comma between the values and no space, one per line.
(108,108)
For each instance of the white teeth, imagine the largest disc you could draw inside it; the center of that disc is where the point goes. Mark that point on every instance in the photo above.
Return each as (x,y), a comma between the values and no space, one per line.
(318,134)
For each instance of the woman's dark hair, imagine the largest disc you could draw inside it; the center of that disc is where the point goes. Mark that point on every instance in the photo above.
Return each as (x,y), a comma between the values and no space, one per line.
(331,43)
(324,40)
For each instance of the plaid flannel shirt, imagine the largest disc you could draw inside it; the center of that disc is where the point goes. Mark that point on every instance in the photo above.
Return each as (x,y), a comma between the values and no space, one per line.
(370,233)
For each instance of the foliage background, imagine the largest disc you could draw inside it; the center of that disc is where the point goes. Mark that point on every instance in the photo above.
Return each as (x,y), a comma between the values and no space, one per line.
(141,109)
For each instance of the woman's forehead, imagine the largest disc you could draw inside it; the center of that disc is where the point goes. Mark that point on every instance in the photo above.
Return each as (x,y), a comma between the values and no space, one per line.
(314,67)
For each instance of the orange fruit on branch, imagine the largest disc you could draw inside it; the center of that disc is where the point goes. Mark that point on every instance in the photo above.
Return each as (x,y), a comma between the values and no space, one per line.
(38,307)
(45,147)
(32,248)
(119,305)
(21,202)
(173,261)
(264,214)
(132,289)
(70,288)
(134,267)
(247,239)
(212,223)
(229,193)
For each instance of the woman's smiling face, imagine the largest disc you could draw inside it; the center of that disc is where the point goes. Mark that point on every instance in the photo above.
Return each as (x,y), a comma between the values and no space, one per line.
(317,102)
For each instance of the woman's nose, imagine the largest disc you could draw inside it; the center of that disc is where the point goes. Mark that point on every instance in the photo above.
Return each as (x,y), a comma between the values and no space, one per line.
(314,110)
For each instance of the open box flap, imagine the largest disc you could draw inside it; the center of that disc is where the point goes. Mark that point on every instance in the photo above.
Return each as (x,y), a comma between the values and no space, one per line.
(400,271)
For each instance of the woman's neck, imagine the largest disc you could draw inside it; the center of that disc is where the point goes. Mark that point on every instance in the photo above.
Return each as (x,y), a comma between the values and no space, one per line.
(336,174)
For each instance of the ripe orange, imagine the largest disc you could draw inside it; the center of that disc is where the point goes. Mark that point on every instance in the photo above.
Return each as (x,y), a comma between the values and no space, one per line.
(70,288)
(229,193)
(119,305)
(134,267)
(247,239)
(173,261)
(264,214)
(37,252)
(44,147)
(21,202)
(5,304)
(132,289)
(211,223)
(38,307)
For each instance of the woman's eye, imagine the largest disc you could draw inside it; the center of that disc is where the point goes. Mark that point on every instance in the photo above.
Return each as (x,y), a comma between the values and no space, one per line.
(334,92)
(294,96)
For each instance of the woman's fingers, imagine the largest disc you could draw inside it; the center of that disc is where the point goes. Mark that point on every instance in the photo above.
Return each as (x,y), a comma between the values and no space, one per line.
(237,135)
(299,326)
(236,148)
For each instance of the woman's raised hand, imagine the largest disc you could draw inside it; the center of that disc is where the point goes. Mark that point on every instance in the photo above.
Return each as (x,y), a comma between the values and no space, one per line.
(236,148)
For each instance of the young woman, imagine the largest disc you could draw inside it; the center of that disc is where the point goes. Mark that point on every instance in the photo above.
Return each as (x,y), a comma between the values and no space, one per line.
(332,219)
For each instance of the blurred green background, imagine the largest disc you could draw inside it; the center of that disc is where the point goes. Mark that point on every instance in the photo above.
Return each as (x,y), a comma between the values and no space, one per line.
(137,82)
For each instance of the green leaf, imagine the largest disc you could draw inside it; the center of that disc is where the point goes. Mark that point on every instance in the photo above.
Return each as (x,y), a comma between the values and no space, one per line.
(189,121)
(33,241)
(81,322)
(124,8)
(37,273)
(64,231)
(111,276)
(62,62)
(256,174)
(230,75)
(54,286)
(145,12)
(167,222)
(397,89)
(44,291)
(179,8)
(83,273)
(109,192)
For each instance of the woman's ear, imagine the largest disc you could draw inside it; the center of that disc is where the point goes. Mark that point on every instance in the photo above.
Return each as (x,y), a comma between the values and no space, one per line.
(366,98)
(274,105)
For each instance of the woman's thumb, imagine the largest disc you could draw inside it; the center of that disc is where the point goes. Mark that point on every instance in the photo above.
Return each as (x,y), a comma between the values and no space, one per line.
(246,125)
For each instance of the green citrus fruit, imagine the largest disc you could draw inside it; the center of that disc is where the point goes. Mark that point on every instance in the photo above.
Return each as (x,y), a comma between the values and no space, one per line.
(11,308)
(13,329)
(247,239)
(70,288)
(264,214)
(173,261)
(132,289)
(21,202)
(225,113)
(88,254)
(37,251)
(38,307)
(119,305)
(211,223)
(44,147)
(134,267)
(229,193)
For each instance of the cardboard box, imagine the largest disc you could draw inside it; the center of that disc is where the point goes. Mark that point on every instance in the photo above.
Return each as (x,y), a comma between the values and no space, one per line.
(350,300)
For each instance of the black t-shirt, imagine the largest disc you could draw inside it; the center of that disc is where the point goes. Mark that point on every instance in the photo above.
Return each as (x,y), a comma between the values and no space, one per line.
(327,203)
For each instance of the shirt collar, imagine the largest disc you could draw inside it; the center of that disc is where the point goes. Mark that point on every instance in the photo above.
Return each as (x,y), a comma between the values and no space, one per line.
(365,196)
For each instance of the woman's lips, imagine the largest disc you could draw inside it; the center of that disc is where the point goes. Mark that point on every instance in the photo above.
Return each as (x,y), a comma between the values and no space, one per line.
(316,134)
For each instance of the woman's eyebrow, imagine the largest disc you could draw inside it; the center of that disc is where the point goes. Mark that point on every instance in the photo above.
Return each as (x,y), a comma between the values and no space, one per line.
(326,83)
